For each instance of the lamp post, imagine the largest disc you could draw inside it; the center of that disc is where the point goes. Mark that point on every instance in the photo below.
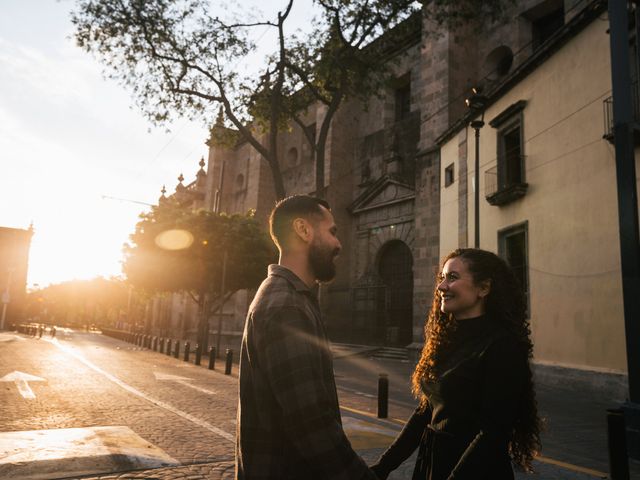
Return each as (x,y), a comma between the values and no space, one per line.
(476,104)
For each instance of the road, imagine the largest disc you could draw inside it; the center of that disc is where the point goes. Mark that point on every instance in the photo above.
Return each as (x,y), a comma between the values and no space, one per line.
(86,405)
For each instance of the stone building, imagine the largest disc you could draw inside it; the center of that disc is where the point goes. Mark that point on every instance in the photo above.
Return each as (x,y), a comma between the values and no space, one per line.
(382,169)
(14,265)
(399,175)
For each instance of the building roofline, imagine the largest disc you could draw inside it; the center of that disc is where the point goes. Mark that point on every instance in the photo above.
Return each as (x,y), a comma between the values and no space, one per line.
(570,30)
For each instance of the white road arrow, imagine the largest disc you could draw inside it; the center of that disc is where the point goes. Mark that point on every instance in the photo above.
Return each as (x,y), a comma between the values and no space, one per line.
(21,379)
(183,381)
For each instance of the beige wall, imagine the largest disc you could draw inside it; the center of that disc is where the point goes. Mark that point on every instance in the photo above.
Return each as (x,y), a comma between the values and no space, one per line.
(570,206)
(449,198)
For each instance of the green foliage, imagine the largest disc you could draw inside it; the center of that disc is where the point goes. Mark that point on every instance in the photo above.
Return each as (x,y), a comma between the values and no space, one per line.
(181,59)
(198,268)
(98,301)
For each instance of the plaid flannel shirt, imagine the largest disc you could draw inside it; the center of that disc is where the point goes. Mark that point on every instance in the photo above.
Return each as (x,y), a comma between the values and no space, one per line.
(288,424)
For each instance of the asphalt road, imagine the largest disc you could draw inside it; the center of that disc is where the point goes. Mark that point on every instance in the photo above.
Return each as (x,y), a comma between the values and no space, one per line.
(85,405)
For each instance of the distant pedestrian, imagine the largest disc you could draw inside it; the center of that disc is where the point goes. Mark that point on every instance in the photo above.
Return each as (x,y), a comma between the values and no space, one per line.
(477,409)
(289,424)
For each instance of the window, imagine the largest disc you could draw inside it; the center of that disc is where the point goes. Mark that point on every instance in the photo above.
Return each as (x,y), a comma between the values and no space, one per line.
(448,175)
(544,27)
(292,157)
(513,248)
(507,182)
(546,18)
(510,169)
(403,97)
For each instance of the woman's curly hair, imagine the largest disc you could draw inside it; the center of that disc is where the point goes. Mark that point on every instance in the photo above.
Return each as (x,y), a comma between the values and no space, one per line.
(506,304)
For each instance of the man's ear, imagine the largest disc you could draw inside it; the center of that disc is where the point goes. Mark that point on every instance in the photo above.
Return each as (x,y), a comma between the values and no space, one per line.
(302,229)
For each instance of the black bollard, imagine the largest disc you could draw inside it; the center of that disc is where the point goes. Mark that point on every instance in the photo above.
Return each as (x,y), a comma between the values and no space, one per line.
(616,433)
(40,331)
(154,344)
(53,332)
(168,346)
(228,361)
(383,396)
(176,354)
(187,347)
(212,358)
(198,353)
(161,345)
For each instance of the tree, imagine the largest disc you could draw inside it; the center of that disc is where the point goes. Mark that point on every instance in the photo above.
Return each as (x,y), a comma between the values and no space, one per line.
(175,249)
(179,59)
(98,301)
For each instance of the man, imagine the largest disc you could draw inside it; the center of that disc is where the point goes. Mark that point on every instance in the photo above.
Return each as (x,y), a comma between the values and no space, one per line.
(289,423)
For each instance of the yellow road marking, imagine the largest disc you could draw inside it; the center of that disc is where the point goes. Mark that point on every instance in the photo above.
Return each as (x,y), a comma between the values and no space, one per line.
(570,466)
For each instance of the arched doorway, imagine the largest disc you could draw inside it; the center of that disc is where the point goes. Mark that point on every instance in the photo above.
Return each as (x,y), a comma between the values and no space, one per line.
(395,267)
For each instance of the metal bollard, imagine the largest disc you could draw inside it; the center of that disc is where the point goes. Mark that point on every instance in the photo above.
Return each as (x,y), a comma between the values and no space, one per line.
(161,345)
(154,344)
(617,442)
(176,354)
(168,346)
(187,347)
(212,358)
(40,331)
(383,395)
(228,361)
(198,354)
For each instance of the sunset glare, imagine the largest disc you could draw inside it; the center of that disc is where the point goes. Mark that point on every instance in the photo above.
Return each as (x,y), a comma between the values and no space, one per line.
(78,157)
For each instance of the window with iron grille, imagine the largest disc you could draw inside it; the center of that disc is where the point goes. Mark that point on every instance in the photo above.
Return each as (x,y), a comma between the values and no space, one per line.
(507,182)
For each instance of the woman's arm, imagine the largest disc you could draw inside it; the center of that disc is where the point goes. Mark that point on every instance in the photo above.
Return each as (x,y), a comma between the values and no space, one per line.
(404,445)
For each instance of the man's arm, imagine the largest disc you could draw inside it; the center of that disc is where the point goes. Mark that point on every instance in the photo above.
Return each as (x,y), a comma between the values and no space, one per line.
(292,357)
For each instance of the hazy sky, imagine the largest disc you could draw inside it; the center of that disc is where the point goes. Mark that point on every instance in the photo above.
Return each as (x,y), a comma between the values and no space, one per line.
(68,137)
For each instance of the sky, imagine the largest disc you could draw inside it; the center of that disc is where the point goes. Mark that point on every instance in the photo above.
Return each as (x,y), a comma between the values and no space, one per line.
(75,153)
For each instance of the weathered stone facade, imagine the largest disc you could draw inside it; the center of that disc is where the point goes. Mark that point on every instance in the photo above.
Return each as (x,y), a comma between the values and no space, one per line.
(382,173)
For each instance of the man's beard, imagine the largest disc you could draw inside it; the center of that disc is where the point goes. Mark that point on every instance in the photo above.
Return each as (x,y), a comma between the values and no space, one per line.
(321,261)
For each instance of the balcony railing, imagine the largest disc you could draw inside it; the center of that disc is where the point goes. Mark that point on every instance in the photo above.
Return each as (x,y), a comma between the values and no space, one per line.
(500,191)
(607,106)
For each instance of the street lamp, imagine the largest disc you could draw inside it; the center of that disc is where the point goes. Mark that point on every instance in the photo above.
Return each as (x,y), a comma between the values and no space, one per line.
(476,104)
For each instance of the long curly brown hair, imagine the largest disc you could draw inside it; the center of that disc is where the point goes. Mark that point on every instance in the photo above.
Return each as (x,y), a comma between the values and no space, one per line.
(506,304)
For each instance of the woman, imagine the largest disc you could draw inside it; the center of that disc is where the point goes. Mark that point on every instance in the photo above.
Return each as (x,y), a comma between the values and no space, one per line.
(477,411)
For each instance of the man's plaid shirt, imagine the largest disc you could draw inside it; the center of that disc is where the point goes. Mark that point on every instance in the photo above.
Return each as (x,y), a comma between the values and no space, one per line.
(289,423)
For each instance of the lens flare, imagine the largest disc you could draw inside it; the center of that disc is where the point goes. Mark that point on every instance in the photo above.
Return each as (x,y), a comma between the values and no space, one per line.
(174,239)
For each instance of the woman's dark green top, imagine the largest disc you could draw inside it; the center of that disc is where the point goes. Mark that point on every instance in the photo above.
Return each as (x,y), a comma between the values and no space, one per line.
(464,432)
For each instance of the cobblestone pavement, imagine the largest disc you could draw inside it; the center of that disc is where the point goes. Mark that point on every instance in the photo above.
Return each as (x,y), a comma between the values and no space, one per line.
(186,411)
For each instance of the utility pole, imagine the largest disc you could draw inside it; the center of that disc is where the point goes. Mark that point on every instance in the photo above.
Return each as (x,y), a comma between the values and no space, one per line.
(623,127)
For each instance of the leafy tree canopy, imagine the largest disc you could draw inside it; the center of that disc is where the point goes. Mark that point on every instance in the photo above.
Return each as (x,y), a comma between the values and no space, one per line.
(98,300)
(183,58)
(175,249)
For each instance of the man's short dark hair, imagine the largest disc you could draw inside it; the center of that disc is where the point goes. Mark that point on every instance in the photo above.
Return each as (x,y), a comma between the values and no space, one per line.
(290,208)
